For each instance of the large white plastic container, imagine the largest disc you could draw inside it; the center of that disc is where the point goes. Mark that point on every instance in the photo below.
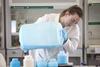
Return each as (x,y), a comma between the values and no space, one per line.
(2,61)
(41,35)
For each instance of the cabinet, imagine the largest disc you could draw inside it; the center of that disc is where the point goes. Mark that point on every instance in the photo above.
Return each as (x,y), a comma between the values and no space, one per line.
(93,1)
(76,57)
(2,30)
(2,38)
(12,53)
(1,25)
(54,3)
(93,52)
(94,25)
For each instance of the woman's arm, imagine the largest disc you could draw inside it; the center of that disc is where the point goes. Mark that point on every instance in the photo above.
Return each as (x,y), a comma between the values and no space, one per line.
(73,39)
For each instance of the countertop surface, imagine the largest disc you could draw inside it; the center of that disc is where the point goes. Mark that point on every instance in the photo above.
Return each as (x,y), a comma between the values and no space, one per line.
(71,64)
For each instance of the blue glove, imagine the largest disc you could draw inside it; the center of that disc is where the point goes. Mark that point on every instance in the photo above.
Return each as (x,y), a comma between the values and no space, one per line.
(65,35)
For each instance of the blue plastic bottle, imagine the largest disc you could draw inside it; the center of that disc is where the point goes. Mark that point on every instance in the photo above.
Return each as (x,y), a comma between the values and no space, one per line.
(15,63)
(41,63)
(62,58)
(52,63)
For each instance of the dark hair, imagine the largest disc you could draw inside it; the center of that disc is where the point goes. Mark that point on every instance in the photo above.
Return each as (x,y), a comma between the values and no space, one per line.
(72,10)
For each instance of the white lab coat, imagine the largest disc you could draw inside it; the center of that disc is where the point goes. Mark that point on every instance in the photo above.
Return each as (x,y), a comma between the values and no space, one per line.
(70,45)
(2,61)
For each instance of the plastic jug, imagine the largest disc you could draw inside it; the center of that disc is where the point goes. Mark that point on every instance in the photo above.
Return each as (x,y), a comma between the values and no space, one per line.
(15,63)
(2,61)
(41,35)
(52,63)
(28,61)
(62,58)
(41,63)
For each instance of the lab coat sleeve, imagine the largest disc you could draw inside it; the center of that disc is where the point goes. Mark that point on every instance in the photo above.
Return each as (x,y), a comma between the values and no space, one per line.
(47,18)
(73,40)
(37,54)
(42,19)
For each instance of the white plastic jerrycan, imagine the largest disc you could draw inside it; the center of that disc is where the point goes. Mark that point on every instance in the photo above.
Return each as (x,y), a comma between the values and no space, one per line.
(2,61)
(41,35)
(28,61)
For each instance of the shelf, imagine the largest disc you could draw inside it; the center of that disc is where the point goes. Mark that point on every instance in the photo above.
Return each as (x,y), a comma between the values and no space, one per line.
(93,1)
(93,23)
(93,49)
(14,48)
(54,5)
(15,34)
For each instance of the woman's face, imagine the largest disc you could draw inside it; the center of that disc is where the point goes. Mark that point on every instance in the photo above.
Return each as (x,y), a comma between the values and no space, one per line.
(69,20)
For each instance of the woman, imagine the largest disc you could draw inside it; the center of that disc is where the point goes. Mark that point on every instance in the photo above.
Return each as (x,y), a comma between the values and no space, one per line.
(69,19)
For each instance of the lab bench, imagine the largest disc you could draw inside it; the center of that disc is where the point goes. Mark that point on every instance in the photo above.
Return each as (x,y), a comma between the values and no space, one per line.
(76,66)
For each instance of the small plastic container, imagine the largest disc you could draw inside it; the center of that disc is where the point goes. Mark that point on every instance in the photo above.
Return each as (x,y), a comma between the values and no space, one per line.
(52,63)
(2,61)
(62,58)
(28,61)
(15,63)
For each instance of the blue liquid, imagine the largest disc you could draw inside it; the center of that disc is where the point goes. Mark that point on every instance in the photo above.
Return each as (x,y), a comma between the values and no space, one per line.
(62,58)
(15,63)
(52,63)
(41,63)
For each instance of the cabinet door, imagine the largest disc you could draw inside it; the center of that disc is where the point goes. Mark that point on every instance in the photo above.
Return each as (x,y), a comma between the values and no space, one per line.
(12,53)
(1,25)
